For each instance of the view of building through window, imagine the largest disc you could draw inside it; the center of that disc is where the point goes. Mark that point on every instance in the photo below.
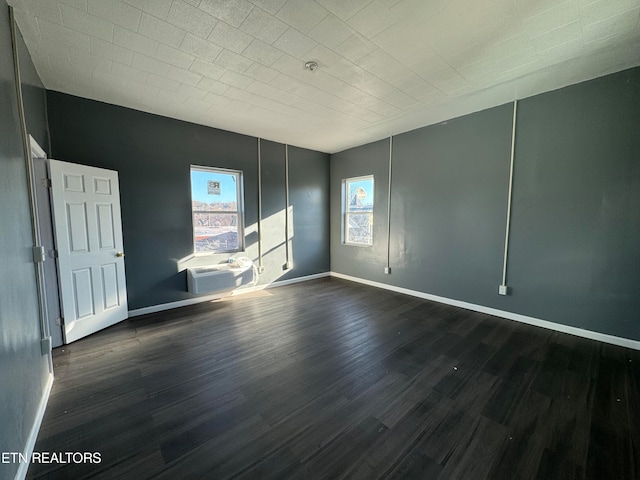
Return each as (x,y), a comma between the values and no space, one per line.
(216,203)
(358,210)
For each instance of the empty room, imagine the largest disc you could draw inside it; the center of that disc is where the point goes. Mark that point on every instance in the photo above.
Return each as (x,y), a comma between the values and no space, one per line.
(320,239)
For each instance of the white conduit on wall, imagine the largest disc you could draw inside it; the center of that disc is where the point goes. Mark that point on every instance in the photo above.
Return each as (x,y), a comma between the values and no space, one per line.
(503,286)
(260,265)
(33,206)
(388,267)
(287,220)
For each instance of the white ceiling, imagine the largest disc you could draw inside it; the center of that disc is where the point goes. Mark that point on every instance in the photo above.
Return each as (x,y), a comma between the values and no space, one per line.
(385,66)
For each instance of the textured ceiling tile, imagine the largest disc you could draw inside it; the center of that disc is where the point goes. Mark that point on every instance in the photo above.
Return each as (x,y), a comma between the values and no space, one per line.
(477,69)
(348,72)
(230,37)
(57,34)
(134,41)
(599,10)
(174,57)
(623,25)
(107,80)
(355,47)
(111,51)
(290,66)
(162,82)
(202,49)
(372,19)
(271,6)
(559,36)
(88,61)
(509,46)
(85,23)
(184,76)
(233,12)
(441,58)
(525,60)
(331,32)
(294,43)
(264,26)
(233,61)
(344,9)
(207,69)
(426,63)
(151,65)
(157,8)
(383,65)
(567,51)
(49,10)
(213,86)
(216,99)
(551,19)
(199,103)
(142,87)
(79,4)
(191,19)
(128,72)
(262,52)
(117,12)
(263,102)
(402,42)
(173,97)
(161,31)
(261,73)
(235,79)
(192,92)
(302,14)
(323,56)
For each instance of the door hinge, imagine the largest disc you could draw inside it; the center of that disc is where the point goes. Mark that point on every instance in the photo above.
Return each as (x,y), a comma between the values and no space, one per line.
(46,182)
(59,321)
(53,253)
(39,255)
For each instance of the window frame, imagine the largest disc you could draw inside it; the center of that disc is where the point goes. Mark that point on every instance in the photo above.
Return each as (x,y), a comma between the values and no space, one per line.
(345,209)
(239,175)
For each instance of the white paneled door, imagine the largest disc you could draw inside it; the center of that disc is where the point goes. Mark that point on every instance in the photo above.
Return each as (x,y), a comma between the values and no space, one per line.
(88,231)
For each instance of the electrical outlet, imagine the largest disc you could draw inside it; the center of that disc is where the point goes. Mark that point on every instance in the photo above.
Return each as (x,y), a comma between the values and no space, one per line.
(503,290)
(387,270)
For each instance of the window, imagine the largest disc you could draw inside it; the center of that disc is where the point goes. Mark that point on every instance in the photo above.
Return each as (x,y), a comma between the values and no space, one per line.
(216,204)
(357,220)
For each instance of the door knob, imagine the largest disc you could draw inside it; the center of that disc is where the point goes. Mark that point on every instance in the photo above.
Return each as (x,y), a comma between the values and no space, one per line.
(120,254)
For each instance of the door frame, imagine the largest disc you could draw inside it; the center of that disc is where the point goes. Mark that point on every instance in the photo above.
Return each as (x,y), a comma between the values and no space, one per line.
(49,272)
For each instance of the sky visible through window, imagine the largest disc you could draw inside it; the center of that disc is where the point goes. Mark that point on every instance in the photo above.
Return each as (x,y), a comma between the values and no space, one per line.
(358,214)
(356,186)
(200,190)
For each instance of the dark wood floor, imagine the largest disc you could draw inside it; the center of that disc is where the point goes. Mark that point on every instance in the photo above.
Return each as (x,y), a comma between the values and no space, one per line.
(333,380)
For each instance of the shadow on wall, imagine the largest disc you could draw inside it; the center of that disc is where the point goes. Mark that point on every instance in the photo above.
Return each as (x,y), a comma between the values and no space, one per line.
(275,245)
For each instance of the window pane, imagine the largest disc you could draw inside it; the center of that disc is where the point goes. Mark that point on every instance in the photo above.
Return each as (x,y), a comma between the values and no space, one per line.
(215,231)
(360,195)
(359,228)
(214,191)
(357,220)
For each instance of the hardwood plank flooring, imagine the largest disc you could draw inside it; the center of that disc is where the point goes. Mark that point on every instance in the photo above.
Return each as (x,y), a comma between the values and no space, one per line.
(329,379)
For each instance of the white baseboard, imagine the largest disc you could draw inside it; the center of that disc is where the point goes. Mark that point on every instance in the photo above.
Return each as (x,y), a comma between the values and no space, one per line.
(217,296)
(558,327)
(21,474)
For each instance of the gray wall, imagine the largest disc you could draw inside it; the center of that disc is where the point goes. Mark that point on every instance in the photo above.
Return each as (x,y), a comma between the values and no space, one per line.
(152,155)
(23,369)
(573,257)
